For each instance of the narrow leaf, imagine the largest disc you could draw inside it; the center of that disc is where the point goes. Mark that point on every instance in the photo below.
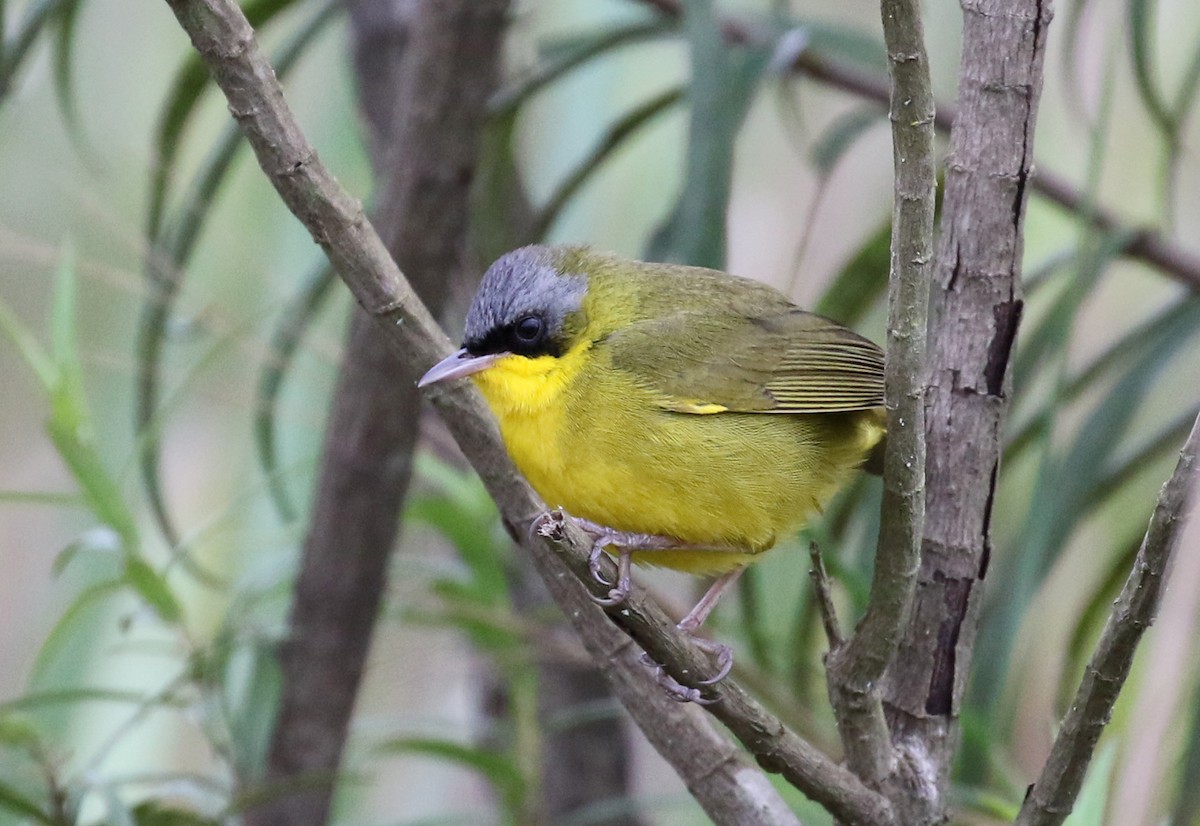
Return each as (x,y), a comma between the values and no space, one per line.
(565,55)
(722,88)
(153,589)
(294,322)
(12,800)
(862,281)
(840,136)
(498,768)
(615,137)
(1140,15)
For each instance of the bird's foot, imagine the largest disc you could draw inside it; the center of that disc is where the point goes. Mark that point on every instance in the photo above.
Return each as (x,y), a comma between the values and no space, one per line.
(674,689)
(723,656)
(625,543)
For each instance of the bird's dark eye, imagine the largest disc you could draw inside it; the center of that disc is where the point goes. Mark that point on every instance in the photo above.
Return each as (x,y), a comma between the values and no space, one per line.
(529,329)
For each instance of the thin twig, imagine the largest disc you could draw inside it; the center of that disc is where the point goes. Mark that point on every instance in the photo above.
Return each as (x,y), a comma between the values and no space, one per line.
(224,39)
(855,669)
(824,596)
(1148,246)
(1051,799)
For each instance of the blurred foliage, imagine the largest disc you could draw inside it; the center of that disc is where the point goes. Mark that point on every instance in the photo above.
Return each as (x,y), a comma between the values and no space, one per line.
(629,129)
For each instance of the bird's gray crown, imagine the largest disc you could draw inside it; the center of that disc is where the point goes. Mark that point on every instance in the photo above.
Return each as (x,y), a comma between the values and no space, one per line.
(524,282)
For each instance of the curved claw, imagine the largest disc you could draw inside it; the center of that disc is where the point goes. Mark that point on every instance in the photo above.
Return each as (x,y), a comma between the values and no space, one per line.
(723,654)
(594,562)
(674,689)
(615,597)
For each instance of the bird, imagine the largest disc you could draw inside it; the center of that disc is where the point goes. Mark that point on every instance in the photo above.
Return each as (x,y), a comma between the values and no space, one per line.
(683,417)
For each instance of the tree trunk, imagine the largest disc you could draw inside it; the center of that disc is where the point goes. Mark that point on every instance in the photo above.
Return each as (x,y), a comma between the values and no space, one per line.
(429,67)
(976,307)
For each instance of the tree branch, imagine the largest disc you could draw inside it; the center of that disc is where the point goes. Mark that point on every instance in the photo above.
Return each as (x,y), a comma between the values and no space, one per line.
(776,748)
(855,670)
(1148,246)
(718,775)
(224,39)
(1051,799)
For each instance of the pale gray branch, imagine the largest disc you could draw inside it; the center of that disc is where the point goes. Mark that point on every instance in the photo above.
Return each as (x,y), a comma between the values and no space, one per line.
(855,670)
(1051,799)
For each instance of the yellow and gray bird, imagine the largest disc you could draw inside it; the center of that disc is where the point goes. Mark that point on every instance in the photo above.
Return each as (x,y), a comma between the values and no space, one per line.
(685,417)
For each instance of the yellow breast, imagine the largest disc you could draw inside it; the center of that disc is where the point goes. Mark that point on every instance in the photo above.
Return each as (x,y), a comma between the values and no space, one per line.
(594,443)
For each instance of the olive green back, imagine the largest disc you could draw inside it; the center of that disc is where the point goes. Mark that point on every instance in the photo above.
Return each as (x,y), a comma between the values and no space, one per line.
(702,341)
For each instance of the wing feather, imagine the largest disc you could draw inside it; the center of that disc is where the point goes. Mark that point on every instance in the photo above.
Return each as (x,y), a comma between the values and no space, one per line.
(783,360)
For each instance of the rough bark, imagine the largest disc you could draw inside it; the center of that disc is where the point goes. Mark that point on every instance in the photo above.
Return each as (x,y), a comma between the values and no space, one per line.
(425,104)
(976,307)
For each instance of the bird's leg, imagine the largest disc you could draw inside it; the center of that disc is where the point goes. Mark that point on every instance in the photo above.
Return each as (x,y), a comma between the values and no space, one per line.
(626,544)
(721,653)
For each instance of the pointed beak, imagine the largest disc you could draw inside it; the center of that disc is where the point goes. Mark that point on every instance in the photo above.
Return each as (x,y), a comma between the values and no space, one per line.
(457,365)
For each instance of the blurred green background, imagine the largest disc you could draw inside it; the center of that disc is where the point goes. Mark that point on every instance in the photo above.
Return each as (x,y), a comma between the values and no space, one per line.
(125,693)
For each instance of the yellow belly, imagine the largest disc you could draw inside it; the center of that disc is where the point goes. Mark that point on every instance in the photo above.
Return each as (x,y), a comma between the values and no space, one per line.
(594,444)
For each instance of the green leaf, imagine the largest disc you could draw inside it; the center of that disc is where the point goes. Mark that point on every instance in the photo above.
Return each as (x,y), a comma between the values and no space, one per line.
(70,429)
(253,682)
(37,497)
(189,84)
(298,314)
(840,136)
(156,813)
(64,43)
(613,139)
(564,55)
(12,800)
(1141,35)
(102,540)
(862,281)
(70,424)
(172,245)
(1093,797)
(496,767)
(462,511)
(832,40)
(63,696)
(83,601)
(17,732)
(1186,97)
(722,88)
(501,214)
(31,352)
(1060,501)
(153,589)
(38,15)
(1180,319)
(1093,616)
